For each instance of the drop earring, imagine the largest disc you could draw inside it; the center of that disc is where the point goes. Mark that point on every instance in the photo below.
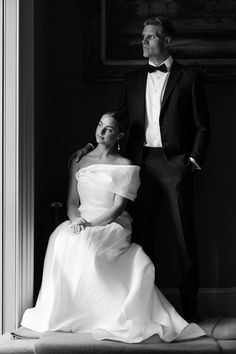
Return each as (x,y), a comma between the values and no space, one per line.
(118,146)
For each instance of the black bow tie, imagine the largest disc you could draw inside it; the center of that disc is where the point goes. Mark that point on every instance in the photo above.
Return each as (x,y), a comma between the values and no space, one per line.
(152,69)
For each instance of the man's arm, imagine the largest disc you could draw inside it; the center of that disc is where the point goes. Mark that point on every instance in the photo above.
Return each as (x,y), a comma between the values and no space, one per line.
(122,97)
(82,151)
(201,122)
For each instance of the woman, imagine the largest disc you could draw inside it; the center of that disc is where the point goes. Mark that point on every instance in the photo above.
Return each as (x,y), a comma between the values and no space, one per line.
(94,280)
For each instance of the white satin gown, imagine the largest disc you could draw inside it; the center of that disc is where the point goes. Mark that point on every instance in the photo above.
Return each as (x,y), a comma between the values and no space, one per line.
(98,282)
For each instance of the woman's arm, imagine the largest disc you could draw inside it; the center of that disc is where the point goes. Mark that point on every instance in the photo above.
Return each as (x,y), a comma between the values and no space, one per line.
(111,214)
(77,222)
(73,201)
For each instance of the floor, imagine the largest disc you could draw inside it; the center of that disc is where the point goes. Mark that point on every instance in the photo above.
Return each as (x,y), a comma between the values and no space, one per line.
(221,338)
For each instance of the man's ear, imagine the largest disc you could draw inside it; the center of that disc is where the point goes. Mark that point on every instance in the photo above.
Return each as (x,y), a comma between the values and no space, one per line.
(168,41)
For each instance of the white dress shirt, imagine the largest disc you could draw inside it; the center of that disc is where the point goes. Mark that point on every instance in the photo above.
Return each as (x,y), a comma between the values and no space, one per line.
(155,88)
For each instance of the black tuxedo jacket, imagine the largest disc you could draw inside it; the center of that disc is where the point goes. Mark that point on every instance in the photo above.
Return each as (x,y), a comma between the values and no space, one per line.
(183,116)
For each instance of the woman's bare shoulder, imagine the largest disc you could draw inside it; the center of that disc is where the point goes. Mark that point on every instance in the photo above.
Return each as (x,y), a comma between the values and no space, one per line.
(74,166)
(121,160)
(77,165)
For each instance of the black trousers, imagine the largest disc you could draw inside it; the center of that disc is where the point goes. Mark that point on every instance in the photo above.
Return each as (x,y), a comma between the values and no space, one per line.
(161,178)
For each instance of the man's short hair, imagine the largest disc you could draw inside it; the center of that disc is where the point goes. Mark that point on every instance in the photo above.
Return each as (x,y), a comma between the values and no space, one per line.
(164,22)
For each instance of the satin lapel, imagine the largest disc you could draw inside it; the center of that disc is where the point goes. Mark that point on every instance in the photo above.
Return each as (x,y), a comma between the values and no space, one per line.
(140,88)
(173,78)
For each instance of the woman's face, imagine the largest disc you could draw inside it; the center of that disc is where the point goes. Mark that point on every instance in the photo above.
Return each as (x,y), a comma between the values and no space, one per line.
(107,132)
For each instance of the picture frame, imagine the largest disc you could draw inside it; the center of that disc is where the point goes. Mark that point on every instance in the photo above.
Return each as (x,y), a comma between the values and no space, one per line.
(205,36)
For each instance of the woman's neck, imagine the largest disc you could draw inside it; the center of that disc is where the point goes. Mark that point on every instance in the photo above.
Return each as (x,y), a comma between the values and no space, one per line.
(103,152)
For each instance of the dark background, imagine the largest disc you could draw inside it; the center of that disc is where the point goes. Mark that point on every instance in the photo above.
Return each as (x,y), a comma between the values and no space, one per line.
(67,109)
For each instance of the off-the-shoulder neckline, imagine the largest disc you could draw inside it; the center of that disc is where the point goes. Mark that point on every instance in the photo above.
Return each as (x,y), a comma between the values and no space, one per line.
(107,165)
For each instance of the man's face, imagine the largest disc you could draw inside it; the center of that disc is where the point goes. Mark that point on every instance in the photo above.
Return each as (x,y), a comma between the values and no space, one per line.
(153,41)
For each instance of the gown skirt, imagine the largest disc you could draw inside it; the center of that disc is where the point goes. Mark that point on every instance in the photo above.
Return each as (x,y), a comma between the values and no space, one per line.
(99,282)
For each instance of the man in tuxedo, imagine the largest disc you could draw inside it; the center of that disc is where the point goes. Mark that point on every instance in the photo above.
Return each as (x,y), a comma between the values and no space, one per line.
(168,137)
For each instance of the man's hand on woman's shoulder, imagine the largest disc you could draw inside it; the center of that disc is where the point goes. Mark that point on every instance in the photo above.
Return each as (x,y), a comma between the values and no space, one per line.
(77,155)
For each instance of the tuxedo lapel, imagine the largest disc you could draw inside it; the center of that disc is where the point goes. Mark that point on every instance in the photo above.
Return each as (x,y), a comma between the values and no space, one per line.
(175,74)
(140,88)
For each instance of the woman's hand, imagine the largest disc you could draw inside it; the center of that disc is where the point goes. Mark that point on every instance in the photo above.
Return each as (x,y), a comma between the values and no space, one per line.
(79,224)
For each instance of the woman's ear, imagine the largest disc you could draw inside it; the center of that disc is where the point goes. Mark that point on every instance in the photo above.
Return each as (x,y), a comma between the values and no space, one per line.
(120,136)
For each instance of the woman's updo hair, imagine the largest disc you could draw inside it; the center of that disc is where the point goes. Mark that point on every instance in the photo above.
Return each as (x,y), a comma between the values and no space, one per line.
(121,119)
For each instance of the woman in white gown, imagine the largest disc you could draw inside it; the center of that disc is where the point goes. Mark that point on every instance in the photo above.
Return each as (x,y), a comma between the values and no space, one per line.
(94,279)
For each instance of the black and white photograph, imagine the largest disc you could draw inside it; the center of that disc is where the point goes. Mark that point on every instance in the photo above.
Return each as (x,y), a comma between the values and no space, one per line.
(117,176)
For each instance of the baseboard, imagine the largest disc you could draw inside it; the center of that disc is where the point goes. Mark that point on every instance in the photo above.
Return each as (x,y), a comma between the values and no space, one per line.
(212,301)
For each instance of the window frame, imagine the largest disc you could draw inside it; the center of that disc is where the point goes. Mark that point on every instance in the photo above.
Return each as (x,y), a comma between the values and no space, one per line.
(17,160)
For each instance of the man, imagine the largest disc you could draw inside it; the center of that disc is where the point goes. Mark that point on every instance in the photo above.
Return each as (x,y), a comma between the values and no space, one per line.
(168,137)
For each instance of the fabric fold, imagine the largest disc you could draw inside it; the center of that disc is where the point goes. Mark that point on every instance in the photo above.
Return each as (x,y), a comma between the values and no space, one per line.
(98,282)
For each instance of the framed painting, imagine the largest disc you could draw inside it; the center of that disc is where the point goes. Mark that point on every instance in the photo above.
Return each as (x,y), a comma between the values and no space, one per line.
(205,36)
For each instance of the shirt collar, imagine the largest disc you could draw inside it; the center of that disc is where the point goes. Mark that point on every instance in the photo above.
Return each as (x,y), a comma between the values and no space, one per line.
(168,62)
